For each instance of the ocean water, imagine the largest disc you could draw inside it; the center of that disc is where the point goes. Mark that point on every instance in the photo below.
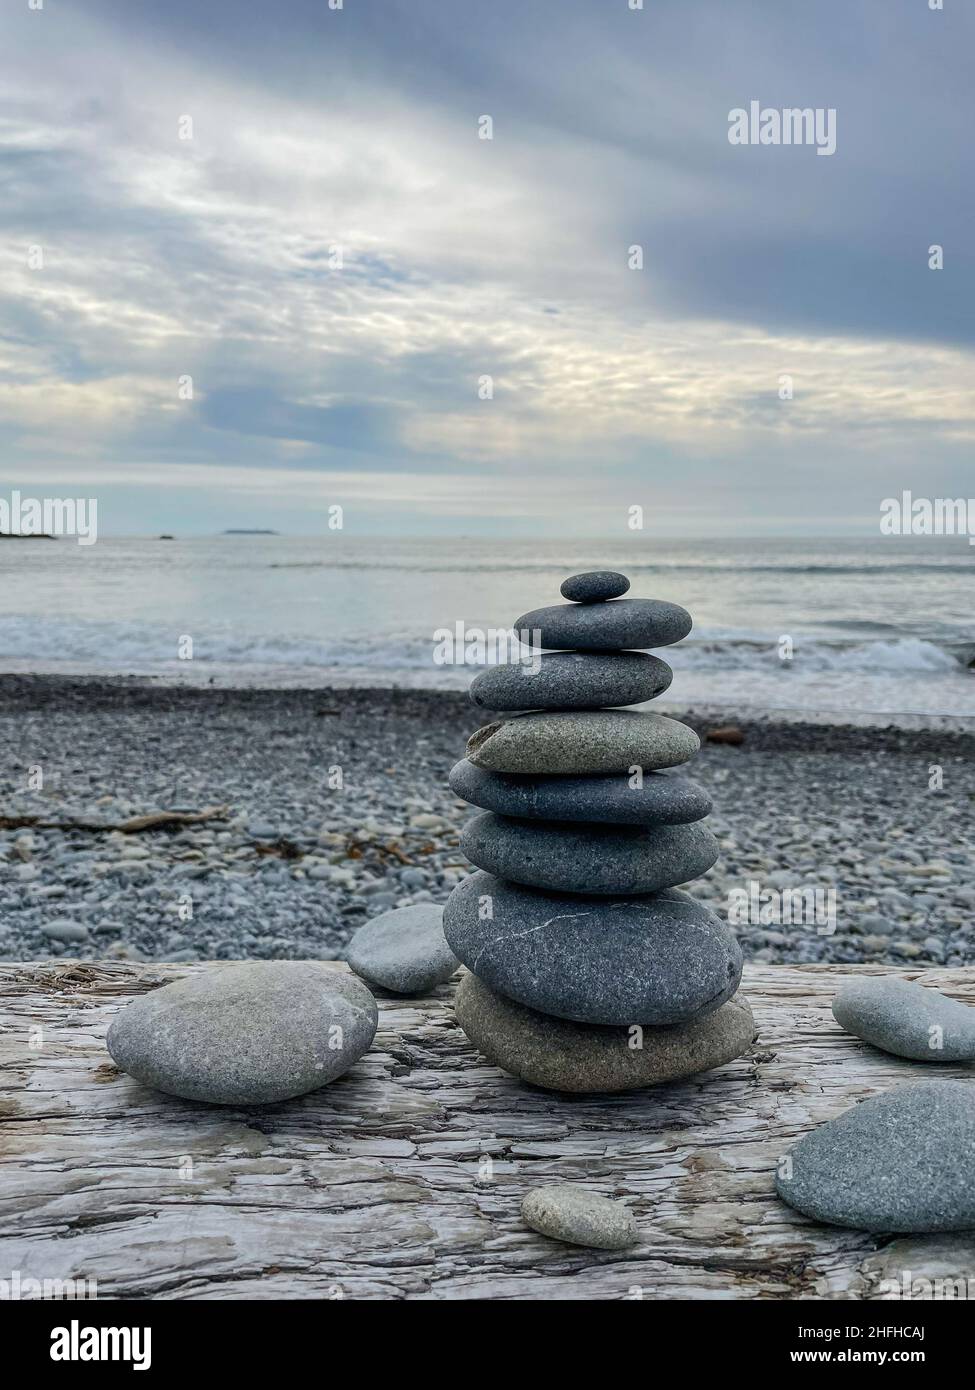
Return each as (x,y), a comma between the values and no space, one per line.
(881,625)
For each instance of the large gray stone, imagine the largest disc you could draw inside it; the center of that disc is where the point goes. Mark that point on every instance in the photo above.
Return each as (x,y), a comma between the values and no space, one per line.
(657,960)
(907,1019)
(564,1056)
(566,1212)
(661,799)
(572,680)
(247,1034)
(404,950)
(586,741)
(605,627)
(595,586)
(575,857)
(899,1162)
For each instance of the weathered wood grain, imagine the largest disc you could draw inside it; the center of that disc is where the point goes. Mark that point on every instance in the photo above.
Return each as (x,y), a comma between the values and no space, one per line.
(404,1178)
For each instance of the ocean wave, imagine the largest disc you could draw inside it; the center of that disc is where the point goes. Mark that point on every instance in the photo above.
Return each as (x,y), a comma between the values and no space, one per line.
(892,655)
(136,645)
(669,567)
(133,645)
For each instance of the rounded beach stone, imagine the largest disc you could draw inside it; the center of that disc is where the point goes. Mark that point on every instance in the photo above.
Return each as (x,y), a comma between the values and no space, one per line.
(404,950)
(572,680)
(564,1056)
(574,857)
(605,627)
(595,586)
(566,1212)
(899,1162)
(907,1019)
(657,960)
(661,799)
(65,929)
(586,741)
(246,1034)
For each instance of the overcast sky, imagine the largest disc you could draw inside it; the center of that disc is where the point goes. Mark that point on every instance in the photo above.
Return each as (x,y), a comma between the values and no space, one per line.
(355,131)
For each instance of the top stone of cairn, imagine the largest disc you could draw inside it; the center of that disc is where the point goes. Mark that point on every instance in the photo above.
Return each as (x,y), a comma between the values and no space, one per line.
(595,586)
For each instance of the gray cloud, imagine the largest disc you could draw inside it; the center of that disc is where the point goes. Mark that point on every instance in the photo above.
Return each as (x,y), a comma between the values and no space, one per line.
(465,259)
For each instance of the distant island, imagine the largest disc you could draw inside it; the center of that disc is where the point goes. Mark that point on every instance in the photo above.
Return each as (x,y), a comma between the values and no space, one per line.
(243,531)
(16,536)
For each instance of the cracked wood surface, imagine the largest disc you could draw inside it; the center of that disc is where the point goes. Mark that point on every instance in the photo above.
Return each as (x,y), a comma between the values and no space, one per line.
(404,1178)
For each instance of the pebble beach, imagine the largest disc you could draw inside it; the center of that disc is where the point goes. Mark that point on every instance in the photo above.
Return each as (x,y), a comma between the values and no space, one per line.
(324,808)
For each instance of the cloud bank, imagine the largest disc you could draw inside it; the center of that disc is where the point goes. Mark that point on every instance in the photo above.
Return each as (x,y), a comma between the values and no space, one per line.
(258,260)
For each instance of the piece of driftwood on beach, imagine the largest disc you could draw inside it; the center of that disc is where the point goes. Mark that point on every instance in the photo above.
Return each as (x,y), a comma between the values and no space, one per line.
(152,820)
(404,1178)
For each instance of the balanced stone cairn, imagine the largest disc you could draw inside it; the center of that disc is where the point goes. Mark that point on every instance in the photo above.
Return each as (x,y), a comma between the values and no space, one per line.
(590,971)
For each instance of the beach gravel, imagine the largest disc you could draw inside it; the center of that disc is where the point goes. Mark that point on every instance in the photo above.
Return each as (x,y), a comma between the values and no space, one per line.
(798,805)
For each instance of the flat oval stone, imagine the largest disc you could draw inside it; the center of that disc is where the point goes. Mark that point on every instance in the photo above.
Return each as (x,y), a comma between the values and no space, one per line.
(907,1019)
(899,1162)
(564,1056)
(572,680)
(610,740)
(566,1212)
(404,950)
(657,960)
(246,1034)
(574,857)
(606,627)
(595,586)
(661,799)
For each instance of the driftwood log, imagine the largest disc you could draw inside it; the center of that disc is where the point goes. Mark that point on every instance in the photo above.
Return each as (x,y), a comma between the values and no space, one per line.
(153,820)
(404,1178)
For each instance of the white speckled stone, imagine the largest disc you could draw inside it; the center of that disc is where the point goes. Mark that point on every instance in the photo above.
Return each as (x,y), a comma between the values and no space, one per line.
(656,960)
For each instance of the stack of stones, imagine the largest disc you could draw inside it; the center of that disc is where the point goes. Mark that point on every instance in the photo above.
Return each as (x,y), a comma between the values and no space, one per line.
(590,970)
